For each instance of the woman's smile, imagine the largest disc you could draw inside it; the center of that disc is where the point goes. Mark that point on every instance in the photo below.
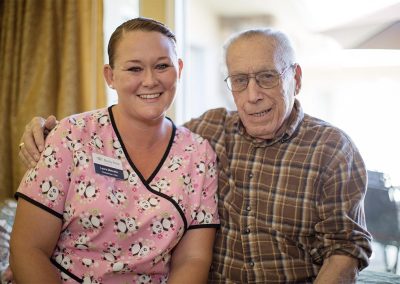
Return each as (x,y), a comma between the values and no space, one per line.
(149,96)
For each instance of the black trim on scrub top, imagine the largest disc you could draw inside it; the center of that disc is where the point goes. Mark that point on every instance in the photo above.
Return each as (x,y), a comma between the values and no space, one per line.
(202,226)
(157,169)
(69,273)
(40,205)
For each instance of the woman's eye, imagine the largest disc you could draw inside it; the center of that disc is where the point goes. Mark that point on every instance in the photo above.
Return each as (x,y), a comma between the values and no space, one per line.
(162,66)
(135,69)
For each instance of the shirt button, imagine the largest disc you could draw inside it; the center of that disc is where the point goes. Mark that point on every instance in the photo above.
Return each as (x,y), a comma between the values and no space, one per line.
(248,208)
(250,175)
(251,263)
(247,231)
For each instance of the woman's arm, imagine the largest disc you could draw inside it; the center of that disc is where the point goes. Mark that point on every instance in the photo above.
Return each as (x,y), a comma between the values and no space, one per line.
(191,259)
(34,236)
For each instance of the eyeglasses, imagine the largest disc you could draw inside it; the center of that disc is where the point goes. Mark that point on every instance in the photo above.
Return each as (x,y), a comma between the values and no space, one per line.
(266,79)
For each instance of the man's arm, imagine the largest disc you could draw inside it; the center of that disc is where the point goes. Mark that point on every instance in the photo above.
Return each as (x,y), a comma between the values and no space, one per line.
(32,141)
(338,269)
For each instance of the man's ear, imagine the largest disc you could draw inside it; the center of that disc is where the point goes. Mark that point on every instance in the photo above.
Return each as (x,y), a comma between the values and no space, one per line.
(297,76)
(108,75)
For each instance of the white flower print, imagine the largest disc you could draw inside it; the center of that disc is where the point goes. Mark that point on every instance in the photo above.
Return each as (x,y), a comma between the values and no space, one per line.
(49,157)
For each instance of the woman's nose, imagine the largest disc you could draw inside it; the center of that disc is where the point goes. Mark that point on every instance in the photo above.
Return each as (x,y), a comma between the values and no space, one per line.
(150,79)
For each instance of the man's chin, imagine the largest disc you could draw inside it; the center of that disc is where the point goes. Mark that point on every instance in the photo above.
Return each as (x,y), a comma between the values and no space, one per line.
(260,133)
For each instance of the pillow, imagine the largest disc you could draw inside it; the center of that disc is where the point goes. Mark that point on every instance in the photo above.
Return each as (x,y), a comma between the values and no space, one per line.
(7,214)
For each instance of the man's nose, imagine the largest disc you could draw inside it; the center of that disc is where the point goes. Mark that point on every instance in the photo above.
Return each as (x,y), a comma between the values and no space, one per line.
(254,93)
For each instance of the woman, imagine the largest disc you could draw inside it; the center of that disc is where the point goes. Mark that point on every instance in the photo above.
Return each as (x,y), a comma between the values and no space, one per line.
(121,195)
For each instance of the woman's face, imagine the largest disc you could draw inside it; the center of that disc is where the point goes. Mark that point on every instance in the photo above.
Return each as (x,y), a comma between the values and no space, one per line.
(145,74)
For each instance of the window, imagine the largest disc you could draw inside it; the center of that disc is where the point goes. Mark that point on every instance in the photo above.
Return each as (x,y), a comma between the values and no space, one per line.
(115,13)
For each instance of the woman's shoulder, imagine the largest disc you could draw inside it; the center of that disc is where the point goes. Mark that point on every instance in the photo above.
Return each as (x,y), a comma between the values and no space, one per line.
(83,126)
(185,134)
(91,115)
(98,117)
(192,143)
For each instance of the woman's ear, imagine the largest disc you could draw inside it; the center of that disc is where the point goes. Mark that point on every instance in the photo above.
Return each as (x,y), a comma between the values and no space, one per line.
(108,75)
(180,66)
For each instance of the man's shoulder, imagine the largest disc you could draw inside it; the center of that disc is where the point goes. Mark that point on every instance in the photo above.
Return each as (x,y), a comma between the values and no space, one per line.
(212,122)
(325,131)
(214,116)
(217,114)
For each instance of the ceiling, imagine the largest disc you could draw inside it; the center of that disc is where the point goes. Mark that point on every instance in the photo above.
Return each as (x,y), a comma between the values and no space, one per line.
(379,29)
(352,23)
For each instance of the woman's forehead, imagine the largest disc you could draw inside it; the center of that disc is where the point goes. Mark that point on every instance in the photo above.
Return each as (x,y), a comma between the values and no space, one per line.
(144,43)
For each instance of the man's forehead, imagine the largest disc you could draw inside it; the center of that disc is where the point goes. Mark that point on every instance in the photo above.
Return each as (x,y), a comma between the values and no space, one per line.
(250,61)
(252,54)
(254,41)
(260,48)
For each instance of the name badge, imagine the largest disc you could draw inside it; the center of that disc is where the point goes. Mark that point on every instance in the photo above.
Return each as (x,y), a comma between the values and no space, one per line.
(107,166)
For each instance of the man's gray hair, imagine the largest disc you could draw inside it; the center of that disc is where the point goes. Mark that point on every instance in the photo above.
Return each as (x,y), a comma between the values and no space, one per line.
(285,51)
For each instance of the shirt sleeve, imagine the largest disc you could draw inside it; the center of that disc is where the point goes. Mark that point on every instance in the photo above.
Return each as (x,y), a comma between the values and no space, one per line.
(206,212)
(47,184)
(209,125)
(340,205)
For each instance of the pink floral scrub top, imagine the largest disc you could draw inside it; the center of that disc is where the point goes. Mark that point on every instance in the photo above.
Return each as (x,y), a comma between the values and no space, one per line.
(117,226)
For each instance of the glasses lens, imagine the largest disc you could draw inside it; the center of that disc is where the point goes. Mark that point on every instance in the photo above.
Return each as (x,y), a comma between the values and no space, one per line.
(267,79)
(237,82)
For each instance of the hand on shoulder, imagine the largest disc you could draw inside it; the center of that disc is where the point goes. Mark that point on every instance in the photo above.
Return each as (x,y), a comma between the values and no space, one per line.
(32,141)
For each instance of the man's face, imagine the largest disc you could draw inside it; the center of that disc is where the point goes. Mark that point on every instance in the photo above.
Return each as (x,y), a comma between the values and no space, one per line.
(263,112)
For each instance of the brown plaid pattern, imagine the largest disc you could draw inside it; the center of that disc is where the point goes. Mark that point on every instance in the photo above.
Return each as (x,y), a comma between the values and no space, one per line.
(285,204)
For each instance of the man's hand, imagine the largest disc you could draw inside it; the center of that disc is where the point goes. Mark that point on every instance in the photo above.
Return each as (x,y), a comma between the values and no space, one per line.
(7,276)
(338,269)
(32,141)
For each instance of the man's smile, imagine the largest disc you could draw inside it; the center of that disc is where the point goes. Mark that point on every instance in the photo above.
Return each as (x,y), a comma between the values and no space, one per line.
(262,113)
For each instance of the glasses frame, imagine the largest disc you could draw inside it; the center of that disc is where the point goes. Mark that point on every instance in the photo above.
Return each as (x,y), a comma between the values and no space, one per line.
(254,75)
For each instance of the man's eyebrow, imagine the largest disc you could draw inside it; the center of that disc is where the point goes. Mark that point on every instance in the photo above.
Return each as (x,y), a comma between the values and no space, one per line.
(236,73)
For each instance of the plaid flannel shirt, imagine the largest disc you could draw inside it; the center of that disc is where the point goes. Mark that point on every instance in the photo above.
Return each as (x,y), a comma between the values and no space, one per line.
(285,204)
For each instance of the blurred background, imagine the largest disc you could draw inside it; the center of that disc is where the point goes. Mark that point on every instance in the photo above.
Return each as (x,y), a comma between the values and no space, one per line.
(52,52)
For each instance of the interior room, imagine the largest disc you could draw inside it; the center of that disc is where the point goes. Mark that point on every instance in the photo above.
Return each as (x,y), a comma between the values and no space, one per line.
(349,51)
(350,55)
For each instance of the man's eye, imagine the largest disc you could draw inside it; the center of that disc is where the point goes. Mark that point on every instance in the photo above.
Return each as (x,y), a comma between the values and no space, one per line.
(135,69)
(266,76)
(239,80)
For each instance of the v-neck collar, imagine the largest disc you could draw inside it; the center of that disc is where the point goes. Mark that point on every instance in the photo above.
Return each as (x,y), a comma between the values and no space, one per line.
(162,161)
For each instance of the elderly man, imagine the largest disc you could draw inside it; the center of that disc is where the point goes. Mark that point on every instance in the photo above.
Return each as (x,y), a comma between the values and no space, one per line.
(291,186)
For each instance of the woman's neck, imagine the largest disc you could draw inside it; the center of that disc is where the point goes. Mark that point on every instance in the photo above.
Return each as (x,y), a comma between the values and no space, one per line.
(141,134)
